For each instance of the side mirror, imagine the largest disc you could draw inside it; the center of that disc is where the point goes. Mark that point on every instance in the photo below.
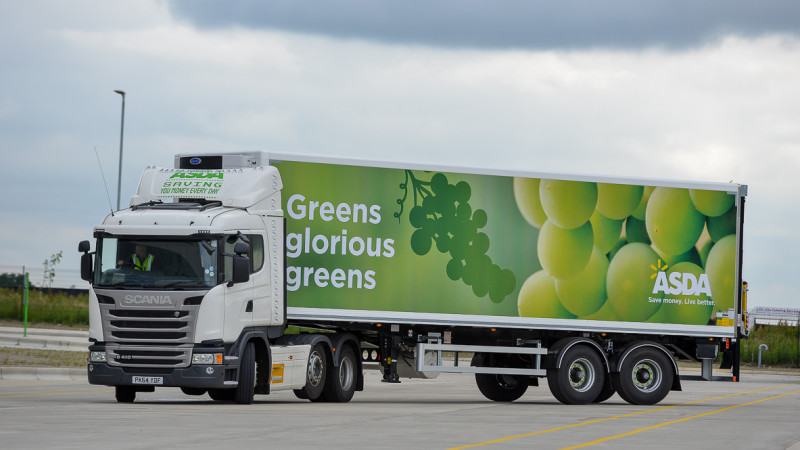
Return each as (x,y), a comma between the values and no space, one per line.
(241,269)
(86,267)
(86,261)
(241,249)
(241,263)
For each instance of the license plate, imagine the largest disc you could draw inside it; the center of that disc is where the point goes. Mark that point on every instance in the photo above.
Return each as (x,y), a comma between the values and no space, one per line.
(148,380)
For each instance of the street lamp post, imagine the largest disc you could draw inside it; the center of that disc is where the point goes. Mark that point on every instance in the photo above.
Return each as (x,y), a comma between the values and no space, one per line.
(121,132)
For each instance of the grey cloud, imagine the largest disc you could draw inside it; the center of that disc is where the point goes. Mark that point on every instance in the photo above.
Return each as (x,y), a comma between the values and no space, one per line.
(506,23)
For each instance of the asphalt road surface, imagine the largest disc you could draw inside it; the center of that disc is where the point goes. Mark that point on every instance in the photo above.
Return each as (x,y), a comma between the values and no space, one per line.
(761,412)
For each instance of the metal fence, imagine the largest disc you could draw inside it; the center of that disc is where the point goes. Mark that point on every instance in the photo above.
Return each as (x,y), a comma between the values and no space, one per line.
(767,315)
(64,278)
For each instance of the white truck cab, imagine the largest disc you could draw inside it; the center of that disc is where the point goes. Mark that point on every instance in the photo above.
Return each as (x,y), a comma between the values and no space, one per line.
(207,312)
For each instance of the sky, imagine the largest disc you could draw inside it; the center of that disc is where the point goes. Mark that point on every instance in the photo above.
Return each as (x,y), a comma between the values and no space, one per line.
(662,89)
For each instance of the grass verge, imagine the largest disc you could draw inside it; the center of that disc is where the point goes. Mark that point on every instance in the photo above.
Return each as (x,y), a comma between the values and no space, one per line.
(45,307)
(28,357)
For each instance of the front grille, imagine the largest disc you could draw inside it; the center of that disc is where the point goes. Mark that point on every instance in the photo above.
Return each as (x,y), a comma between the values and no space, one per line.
(147,371)
(153,336)
(152,314)
(148,335)
(173,324)
(165,353)
(148,356)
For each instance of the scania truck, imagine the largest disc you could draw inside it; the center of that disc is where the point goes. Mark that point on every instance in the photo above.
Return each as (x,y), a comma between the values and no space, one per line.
(236,274)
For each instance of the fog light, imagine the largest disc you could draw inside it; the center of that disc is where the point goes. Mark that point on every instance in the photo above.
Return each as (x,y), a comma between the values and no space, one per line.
(207,358)
(97,356)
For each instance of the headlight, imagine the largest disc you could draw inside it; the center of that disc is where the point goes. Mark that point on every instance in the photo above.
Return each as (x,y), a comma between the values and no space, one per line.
(97,356)
(207,358)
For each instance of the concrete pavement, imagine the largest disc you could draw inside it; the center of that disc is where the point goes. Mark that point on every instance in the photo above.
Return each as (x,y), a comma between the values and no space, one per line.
(78,341)
(45,339)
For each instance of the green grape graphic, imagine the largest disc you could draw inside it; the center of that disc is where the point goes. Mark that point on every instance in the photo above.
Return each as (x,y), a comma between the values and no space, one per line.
(443,219)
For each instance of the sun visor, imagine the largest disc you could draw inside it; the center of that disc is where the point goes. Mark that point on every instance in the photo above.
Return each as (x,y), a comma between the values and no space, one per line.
(241,188)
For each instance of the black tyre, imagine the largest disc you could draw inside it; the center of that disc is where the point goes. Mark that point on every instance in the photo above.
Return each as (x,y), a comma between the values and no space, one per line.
(193,391)
(221,395)
(608,390)
(580,378)
(125,394)
(341,381)
(645,376)
(316,371)
(495,387)
(247,376)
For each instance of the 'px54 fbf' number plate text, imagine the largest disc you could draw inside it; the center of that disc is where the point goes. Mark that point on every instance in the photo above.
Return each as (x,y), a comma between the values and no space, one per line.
(148,380)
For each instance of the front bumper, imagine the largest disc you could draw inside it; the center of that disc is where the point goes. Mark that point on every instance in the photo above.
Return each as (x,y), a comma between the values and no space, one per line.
(197,375)
(192,376)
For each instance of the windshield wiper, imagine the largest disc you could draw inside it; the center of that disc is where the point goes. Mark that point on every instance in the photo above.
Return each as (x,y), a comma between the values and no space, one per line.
(135,283)
(194,283)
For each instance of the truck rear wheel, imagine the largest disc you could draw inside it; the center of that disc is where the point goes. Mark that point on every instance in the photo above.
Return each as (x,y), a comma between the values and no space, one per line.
(580,378)
(645,377)
(247,376)
(496,387)
(125,394)
(316,371)
(341,382)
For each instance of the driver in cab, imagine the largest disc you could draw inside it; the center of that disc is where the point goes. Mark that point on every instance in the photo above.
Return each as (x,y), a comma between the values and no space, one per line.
(141,259)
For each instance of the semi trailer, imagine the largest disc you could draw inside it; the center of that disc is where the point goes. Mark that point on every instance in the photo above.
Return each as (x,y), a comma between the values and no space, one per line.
(236,274)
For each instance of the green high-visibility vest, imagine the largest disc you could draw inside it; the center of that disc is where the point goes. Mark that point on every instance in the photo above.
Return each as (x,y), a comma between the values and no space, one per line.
(148,262)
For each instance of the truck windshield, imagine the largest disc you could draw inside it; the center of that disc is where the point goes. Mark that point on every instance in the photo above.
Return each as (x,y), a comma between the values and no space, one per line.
(148,263)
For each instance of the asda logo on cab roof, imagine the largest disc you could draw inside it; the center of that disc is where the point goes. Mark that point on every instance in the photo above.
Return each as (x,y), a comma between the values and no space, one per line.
(679,283)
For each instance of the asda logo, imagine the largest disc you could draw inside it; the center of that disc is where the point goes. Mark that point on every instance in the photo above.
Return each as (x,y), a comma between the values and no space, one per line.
(679,283)
(217,175)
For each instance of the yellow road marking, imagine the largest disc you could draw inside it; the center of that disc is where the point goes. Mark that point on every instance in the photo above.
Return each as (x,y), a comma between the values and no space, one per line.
(589,422)
(653,427)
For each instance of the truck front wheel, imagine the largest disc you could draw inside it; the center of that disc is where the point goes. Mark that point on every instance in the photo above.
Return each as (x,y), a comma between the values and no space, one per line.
(580,378)
(221,395)
(125,394)
(193,390)
(645,377)
(247,376)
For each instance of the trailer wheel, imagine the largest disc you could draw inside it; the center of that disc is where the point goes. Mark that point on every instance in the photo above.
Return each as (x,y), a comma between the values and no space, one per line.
(495,387)
(645,377)
(316,371)
(580,378)
(193,390)
(607,392)
(125,394)
(247,376)
(221,395)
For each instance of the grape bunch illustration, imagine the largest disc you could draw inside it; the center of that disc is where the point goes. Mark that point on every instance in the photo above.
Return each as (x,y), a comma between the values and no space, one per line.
(444,218)
(602,245)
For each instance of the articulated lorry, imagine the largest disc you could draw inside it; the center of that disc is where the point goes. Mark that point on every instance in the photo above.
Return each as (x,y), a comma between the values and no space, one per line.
(243,274)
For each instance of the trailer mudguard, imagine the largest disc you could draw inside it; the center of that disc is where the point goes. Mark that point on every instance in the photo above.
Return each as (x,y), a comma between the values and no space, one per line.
(556,351)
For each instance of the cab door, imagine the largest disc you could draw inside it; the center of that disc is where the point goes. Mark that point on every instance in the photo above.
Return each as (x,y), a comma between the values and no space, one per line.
(238,296)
